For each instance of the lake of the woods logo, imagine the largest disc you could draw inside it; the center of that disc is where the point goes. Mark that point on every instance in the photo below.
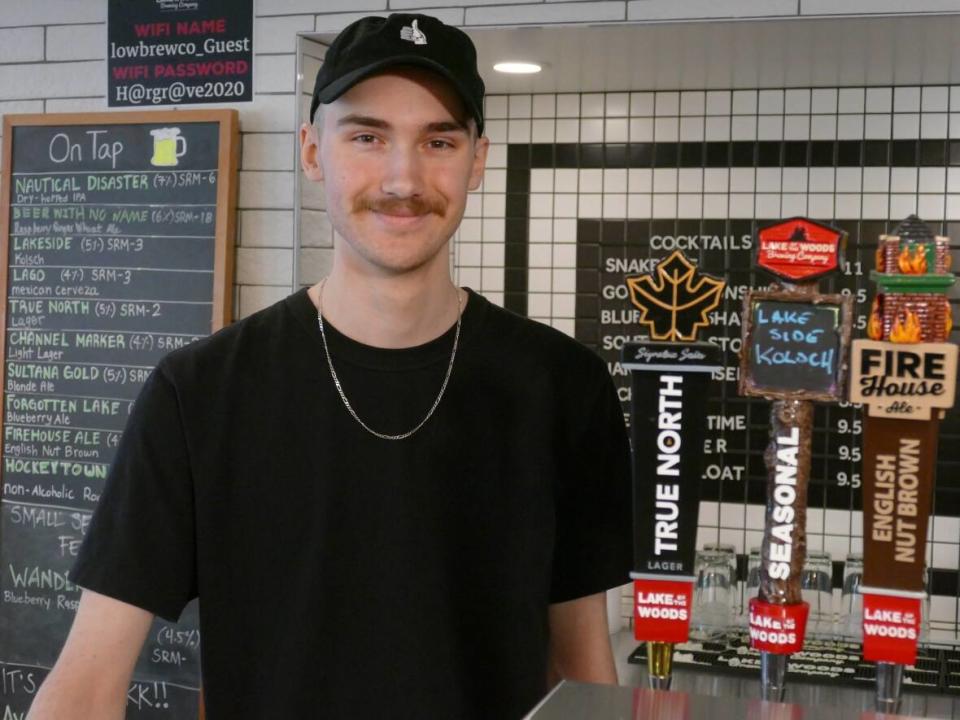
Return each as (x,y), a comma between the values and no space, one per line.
(177,5)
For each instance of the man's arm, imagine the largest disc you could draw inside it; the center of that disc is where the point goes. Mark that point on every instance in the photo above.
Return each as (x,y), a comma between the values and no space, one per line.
(580,641)
(92,674)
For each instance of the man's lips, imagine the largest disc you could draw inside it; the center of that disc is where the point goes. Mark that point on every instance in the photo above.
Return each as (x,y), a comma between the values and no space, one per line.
(399,213)
(399,219)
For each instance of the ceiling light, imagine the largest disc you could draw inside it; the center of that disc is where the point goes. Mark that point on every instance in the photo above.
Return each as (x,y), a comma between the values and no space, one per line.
(517,68)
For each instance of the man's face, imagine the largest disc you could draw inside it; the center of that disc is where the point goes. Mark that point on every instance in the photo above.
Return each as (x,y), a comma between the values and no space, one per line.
(397,156)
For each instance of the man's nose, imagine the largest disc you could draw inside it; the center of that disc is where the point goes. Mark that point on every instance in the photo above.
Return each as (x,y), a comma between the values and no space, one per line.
(403,174)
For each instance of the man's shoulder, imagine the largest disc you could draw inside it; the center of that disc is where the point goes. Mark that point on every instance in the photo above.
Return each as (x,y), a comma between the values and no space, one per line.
(521,339)
(244,341)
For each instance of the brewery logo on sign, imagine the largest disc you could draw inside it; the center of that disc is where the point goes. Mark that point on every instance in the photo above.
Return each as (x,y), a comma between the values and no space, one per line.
(678,357)
(906,381)
(662,609)
(799,249)
(675,300)
(177,5)
(891,628)
(777,628)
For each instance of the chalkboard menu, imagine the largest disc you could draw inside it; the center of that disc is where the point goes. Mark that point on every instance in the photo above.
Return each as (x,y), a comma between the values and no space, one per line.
(792,345)
(117,234)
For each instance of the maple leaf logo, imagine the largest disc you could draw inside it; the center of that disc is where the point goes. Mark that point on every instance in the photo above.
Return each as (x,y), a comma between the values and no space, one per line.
(674,300)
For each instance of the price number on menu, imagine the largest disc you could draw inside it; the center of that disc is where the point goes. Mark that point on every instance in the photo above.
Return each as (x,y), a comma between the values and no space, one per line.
(851,481)
(849,427)
(859,295)
(845,452)
(853,268)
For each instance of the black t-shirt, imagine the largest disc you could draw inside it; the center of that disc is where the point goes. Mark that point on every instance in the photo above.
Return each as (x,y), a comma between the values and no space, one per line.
(345,576)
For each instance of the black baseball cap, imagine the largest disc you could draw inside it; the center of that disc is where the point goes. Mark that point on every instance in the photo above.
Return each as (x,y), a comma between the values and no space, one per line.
(372,44)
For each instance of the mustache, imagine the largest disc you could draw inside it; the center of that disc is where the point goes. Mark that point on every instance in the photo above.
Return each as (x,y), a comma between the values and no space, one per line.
(416,205)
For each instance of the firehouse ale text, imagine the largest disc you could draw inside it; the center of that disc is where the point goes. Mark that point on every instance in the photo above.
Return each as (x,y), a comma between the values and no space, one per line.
(901,372)
(668,463)
(784,495)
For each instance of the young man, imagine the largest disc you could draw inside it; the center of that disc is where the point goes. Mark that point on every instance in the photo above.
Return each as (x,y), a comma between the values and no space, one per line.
(393,498)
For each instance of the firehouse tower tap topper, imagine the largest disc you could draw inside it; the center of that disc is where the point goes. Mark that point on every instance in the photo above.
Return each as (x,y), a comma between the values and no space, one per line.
(671,373)
(795,342)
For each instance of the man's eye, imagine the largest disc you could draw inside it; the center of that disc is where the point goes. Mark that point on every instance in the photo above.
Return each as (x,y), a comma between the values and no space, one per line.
(365,138)
(439,144)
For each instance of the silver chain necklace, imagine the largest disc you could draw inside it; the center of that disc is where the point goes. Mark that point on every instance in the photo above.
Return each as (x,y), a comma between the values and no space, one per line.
(346,403)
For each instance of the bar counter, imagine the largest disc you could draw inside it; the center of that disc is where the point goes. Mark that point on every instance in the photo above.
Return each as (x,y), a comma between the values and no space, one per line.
(585,701)
(701,694)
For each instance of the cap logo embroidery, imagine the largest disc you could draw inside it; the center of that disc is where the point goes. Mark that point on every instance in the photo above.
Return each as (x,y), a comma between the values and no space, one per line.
(413,34)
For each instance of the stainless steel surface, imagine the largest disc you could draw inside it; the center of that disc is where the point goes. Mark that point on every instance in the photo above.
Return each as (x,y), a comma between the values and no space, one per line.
(584,701)
(849,701)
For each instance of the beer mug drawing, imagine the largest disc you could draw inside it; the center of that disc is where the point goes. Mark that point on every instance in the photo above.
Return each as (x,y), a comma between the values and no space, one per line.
(168,146)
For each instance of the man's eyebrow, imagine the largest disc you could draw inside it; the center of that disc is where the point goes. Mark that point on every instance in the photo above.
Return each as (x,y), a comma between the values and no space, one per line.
(373,122)
(365,120)
(447,126)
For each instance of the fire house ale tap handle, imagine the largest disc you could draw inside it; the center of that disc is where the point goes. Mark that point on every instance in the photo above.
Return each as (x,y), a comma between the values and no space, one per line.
(909,327)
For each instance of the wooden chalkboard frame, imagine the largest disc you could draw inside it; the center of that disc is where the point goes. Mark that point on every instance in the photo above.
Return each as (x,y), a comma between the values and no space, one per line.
(228,162)
(750,388)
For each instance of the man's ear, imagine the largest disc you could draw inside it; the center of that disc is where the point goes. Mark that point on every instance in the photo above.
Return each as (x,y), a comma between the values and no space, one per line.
(479,161)
(310,152)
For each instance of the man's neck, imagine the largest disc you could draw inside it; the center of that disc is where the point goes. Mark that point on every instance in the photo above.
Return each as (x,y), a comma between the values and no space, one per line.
(394,312)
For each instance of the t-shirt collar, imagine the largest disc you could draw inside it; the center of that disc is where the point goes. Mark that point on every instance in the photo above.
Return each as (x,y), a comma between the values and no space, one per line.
(344,348)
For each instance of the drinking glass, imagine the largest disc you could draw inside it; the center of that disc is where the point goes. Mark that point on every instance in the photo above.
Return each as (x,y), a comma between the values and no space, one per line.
(816,587)
(850,617)
(714,593)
